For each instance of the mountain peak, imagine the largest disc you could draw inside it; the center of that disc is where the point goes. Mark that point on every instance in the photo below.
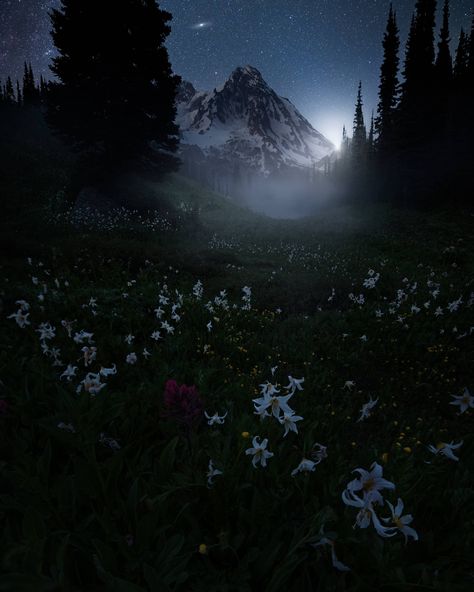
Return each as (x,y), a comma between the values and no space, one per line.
(244,77)
(247,70)
(244,120)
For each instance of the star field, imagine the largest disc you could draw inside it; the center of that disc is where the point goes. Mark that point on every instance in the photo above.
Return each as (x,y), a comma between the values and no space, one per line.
(312,51)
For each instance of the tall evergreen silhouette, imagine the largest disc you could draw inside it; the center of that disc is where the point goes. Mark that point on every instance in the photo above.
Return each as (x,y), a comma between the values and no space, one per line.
(471,55)
(417,115)
(115,99)
(9,93)
(444,61)
(359,136)
(30,92)
(420,53)
(388,87)
(371,139)
(19,95)
(461,64)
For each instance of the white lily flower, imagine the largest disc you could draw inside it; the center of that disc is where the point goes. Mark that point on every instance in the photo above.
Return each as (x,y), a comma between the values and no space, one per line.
(23,304)
(68,326)
(46,331)
(401,522)
(21,318)
(110,442)
(146,354)
(366,513)
(211,473)
(215,419)
(81,336)
(89,354)
(198,289)
(108,371)
(69,372)
(262,413)
(370,483)
(91,384)
(259,452)
(159,312)
(335,561)
(294,384)
(55,353)
(167,327)
(305,465)
(129,338)
(366,409)
(156,335)
(131,358)
(288,420)
(268,388)
(318,452)
(446,449)
(465,401)
(274,403)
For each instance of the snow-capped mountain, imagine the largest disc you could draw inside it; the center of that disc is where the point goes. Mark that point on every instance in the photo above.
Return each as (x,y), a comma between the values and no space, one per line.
(244,121)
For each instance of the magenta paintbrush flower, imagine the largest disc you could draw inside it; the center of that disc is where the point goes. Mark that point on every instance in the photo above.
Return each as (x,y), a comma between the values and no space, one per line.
(183,403)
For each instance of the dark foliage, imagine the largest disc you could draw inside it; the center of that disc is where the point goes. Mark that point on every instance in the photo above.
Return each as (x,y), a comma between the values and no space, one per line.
(115,99)
(389,84)
(423,145)
(359,138)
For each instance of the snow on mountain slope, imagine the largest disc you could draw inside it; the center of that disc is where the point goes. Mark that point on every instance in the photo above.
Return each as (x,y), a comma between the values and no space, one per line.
(245,121)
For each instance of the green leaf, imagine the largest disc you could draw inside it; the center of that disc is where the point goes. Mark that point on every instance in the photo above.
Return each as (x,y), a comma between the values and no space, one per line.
(33,525)
(113,583)
(168,456)
(44,463)
(153,579)
(17,582)
(106,555)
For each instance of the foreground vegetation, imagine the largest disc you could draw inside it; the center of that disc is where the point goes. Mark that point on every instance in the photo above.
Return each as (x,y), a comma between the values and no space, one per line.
(106,481)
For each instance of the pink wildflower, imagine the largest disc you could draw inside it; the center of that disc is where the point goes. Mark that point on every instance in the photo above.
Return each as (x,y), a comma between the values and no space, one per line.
(183,403)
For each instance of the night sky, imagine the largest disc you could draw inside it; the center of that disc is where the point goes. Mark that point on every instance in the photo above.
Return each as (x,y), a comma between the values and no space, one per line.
(312,51)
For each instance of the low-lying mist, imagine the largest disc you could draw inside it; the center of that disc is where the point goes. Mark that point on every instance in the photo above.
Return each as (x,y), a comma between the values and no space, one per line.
(289,198)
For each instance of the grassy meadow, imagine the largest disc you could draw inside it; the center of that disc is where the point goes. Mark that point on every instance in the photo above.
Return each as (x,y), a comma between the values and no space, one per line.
(104,471)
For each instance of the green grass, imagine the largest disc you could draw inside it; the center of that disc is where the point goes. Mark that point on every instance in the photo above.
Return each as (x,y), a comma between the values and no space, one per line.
(77,515)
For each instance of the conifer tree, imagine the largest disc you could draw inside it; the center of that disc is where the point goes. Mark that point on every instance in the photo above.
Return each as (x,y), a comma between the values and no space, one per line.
(115,99)
(371,140)
(388,88)
(444,62)
(9,92)
(19,96)
(359,137)
(461,64)
(471,55)
(417,115)
(43,88)
(30,92)
(420,53)
(409,70)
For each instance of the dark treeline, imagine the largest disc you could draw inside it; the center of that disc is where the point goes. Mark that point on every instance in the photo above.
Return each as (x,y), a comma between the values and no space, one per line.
(27,92)
(420,145)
